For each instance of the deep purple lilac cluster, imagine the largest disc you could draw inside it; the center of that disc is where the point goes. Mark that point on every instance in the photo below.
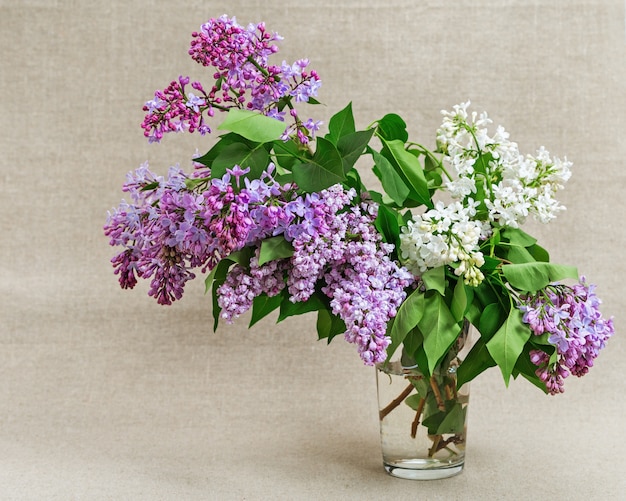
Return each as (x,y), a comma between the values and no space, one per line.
(169,229)
(243,79)
(571,317)
(341,250)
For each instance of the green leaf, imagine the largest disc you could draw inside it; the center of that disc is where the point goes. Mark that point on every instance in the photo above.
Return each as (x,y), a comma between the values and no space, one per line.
(435,416)
(287,153)
(412,349)
(531,277)
(409,314)
(519,255)
(518,237)
(413,401)
(507,343)
(391,181)
(459,301)
(454,421)
(435,279)
(422,385)
(491,319)
(322,171)
(527,369)
(387,224)
(521,247)
(474,310)
(485,293)
(439,328)
(482,164)
(477,361)
(193,183)
(392,127)
(353,180)
(225,140)
(263,305)
(539,253)
(254,157)
(274,248)
(329,325)
(411,169)
(216,278)
(352,146)
(208,281)
(288,308)
(253,125)
(240,257)
(341,124)
(150,186)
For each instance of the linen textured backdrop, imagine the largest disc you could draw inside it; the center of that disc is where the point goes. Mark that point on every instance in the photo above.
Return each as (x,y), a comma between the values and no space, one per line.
(106,395)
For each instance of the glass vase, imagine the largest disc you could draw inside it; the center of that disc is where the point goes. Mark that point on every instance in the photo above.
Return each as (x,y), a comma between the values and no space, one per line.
(423,420)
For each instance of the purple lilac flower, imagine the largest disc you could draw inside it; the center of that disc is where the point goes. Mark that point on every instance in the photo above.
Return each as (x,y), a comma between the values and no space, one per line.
(341,250)
(236,294)
(241,57)
(174,110)
(312,126)
(301,220)
(317,237)
(243,79)
(366,287)
(571,318)
(170,229)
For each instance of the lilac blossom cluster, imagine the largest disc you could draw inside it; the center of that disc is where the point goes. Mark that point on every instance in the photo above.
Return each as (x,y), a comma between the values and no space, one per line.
(571,317)
(514,185)
(366,287)
(243,78)
(443,235)
(340,249)
(495,186)
(169,228)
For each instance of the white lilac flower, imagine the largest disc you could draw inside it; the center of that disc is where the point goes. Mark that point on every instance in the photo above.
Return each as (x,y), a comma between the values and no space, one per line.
(462,187)
(509,204)
(444,235)
(515,185)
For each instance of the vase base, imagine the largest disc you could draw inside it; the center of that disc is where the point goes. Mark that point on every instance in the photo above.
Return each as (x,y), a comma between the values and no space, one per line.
(416,469)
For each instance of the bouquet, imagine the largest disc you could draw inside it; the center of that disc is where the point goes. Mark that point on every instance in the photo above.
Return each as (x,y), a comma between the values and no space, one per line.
(277,217)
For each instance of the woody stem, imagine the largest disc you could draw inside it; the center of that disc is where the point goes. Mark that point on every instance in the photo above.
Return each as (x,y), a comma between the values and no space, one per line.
(396,401)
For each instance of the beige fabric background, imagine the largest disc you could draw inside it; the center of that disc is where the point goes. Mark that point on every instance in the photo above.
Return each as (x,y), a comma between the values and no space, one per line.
(106,395)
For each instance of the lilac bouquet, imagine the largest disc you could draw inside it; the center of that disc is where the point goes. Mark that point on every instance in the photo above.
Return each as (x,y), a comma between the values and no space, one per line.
(278,218)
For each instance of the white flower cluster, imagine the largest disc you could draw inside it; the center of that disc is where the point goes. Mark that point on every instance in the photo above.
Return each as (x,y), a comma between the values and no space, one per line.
(495,186)
(514,185)
(445,235)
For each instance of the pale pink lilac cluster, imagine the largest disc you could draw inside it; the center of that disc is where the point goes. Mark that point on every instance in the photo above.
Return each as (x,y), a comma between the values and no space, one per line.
(236,295)
(571,317)
(243,78)
(340,249)
(366,287)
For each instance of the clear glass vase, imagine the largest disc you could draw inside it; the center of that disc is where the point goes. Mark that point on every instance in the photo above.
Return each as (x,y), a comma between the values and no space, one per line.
(423,420)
